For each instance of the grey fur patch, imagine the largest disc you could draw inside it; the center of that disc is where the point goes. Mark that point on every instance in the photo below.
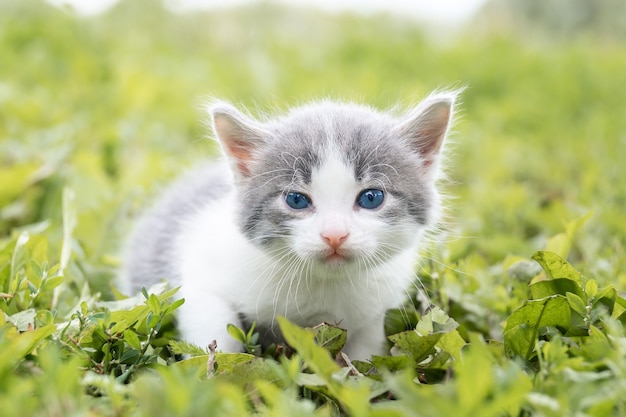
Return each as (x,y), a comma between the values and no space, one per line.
(149,252)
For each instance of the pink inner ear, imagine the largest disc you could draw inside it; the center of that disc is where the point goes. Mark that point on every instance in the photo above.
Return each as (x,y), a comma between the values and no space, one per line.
(427,129)
(435,132)
(242,155)
(433,140)
(237,140)
(432,130)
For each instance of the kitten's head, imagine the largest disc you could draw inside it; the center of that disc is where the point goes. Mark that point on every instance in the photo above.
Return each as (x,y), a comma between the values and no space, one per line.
(336,185)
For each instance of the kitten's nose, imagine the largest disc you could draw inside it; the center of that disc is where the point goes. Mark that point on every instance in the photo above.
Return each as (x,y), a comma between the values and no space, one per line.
(335,238)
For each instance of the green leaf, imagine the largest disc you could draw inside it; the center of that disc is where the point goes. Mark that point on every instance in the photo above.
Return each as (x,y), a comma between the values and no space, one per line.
(162,291)
(173,306)
(452,343)
(250,334)
(331,338)
(400,319)
(303,341)
(520,340)
(558,286)
(557,267)
(551,311)
(154,304)
(522,327)
(37,269)
(435,328)
(607,298)
(239,368)
(124,319)
(393,363)
(152,321)
(131,311)
(130,356)
(591,288)
(436,321)
(577,304)
(236,333)
(132,339)
(16,347)
(415,346)
(52,282)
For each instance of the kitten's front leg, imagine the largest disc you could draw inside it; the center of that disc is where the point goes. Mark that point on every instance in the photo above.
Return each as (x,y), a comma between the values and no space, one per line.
(202,319)
(366,341)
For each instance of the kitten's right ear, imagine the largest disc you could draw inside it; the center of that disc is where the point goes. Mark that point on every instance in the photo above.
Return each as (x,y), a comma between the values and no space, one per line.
(239,135)
(425,127)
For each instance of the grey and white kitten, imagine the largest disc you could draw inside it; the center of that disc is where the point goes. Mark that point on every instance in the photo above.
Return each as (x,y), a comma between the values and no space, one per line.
(317,215)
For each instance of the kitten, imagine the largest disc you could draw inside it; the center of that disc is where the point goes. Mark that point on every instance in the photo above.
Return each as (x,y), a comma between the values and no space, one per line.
(317,215)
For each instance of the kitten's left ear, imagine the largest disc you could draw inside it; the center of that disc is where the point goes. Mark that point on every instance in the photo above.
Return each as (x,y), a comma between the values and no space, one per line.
(426,126)
(239,135)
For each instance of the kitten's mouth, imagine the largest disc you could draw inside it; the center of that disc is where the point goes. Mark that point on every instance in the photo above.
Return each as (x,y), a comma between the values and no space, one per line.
(336,258)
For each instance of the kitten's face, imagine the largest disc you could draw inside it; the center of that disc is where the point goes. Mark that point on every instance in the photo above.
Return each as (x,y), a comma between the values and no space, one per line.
(345,221)
(333,186)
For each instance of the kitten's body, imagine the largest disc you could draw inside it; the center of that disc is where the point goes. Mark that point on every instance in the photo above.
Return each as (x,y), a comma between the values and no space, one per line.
(291,228)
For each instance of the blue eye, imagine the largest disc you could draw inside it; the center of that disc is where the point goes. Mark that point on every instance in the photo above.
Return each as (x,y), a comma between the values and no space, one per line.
(297,201)
(370,199)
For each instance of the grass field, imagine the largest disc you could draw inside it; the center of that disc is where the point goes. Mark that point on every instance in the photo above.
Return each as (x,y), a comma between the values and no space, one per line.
(96,113)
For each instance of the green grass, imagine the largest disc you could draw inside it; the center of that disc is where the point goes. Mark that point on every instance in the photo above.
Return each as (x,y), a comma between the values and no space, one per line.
(96,113)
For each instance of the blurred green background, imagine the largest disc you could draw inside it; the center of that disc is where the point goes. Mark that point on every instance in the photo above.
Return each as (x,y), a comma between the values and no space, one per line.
(111,107)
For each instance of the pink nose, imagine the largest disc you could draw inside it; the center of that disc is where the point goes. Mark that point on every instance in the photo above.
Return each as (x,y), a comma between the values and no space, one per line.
(335,239)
